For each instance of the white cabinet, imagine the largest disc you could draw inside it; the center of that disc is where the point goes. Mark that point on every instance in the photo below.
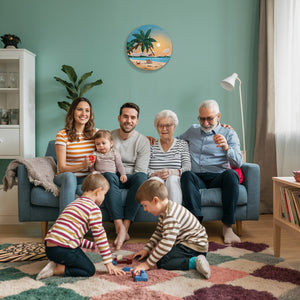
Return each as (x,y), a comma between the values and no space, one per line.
(17,104)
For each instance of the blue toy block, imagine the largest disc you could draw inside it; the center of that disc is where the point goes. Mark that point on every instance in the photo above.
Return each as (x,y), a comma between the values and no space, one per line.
(142,277)
(114,263)
(127,269)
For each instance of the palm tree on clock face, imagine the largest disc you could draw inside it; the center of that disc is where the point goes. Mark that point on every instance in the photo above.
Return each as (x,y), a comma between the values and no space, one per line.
(143,40)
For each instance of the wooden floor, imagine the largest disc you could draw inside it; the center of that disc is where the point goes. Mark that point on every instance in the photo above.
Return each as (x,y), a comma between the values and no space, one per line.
(260,231)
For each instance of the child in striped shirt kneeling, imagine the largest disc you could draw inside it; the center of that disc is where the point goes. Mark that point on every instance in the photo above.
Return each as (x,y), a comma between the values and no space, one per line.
(66,237)
(179,241)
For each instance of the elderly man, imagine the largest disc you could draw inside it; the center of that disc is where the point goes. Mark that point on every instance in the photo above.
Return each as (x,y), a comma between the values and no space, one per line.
(213,150)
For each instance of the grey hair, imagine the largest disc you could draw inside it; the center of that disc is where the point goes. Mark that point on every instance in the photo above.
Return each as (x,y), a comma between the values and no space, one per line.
(166,114)
(211,104)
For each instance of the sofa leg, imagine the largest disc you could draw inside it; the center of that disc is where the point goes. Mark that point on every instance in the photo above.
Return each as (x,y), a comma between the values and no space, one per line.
(239,229)
(44,229)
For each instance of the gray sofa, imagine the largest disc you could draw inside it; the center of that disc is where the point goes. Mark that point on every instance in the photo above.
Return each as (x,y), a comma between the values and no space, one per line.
(35,204)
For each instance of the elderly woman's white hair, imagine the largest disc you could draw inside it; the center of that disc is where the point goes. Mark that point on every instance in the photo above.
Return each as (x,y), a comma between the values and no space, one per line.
(166,114)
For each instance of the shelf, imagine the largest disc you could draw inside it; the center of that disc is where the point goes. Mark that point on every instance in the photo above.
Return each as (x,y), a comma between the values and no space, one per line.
(17,95)
(9,126)
(278,221)
(9,90)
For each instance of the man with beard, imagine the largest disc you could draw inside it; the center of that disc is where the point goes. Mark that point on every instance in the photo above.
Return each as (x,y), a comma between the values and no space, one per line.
(214,149)
(134,149)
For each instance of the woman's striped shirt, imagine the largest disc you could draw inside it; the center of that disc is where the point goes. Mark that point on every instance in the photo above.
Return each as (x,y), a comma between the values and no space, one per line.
(76,151)
(176,226)
(75,221)
(177,157)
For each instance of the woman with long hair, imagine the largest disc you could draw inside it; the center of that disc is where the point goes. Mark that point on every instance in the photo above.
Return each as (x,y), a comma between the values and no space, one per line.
(73,145)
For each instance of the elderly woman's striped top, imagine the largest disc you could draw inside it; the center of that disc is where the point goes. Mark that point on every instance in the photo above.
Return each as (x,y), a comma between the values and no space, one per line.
(177,157)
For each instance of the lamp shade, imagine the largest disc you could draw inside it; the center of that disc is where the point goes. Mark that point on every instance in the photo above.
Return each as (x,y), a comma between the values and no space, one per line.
(228,83)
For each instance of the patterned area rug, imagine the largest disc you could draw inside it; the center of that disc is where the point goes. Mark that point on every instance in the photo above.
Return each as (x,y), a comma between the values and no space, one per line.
(22,252)
(241,271)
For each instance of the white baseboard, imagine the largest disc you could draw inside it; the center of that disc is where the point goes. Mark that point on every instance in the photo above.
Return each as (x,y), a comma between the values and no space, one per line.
(9,206)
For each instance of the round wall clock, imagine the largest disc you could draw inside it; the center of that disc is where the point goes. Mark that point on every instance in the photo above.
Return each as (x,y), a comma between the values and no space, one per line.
(149,47)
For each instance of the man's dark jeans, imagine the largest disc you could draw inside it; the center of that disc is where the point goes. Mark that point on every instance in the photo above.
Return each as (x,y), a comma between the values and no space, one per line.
(228,181)
(113,198)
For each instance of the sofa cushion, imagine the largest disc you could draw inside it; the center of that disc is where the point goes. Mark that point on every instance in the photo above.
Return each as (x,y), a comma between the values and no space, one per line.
(40,197)
(213,197)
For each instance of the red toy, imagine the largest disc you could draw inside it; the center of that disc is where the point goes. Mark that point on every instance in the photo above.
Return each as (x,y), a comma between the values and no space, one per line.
(123,260)
(92,158)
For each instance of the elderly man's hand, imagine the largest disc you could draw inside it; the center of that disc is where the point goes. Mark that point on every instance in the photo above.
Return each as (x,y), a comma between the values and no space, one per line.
(221,141)
(151,140)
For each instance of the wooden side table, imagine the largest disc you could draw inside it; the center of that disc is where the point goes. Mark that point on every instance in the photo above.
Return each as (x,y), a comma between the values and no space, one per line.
(278,221)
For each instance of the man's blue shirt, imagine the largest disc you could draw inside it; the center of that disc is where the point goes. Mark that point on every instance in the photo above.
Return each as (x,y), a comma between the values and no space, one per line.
(206,156)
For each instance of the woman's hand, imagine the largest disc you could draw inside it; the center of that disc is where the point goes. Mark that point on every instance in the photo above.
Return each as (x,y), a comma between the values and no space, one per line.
(87,162)
(114,270)
(163,174)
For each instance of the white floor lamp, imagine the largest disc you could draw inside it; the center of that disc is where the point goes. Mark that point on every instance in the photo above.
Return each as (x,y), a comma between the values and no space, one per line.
(228,84)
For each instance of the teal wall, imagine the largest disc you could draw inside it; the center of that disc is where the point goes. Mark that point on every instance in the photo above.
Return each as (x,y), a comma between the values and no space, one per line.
(211,40)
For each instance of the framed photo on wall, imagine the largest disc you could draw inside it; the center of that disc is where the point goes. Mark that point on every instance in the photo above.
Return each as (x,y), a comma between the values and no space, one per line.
(149,47)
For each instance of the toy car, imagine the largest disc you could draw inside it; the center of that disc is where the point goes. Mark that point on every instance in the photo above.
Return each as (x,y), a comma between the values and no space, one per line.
(142,277)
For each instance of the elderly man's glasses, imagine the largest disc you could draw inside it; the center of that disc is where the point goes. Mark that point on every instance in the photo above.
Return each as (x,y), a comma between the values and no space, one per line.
(208,119)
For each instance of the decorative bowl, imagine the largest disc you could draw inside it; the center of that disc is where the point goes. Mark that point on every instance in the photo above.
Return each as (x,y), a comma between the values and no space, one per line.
(297,175)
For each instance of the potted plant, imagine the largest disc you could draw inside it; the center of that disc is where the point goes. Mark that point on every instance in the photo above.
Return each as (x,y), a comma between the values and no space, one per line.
(75,88)
(10,40)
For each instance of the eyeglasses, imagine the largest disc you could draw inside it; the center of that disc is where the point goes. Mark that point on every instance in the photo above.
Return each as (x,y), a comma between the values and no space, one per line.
(208,119)
(167,126)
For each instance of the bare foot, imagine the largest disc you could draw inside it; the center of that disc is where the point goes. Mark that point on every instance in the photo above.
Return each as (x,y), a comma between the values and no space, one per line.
(121,238)
(229,235)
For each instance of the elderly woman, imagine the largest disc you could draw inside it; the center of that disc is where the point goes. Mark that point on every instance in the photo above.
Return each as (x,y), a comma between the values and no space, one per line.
(169,156)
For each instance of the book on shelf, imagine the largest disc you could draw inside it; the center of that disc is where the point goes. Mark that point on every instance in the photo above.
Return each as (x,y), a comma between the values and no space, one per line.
(294,215)
(290,205)
(286,213)
(296,194)
(284,209)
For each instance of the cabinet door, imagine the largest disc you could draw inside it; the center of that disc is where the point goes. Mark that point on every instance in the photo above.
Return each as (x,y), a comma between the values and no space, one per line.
(9,142)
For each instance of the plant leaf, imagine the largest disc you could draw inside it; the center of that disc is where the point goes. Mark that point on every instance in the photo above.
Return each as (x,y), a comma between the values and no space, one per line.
(64,105)
(70,72)
(83,78)
(63,82)
(72,92)
(88,86)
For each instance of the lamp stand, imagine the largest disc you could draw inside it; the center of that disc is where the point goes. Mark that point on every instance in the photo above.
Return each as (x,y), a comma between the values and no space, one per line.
(242,116)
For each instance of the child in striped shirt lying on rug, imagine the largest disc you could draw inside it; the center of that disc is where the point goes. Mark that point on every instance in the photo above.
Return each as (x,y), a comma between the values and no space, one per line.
(179,241)
(66,236)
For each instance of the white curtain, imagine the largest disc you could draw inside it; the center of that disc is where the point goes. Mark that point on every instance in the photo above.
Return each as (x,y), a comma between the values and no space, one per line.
(287,85)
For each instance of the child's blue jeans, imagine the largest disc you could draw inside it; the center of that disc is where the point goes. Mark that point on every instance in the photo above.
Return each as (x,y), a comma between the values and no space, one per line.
(76,263)
(178,258)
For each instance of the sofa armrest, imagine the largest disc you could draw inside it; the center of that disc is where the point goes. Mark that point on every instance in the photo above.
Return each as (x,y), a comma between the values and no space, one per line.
(24,193)
(251,173)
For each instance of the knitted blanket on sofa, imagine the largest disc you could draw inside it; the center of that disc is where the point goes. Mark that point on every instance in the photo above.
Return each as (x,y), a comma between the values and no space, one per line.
(41,171)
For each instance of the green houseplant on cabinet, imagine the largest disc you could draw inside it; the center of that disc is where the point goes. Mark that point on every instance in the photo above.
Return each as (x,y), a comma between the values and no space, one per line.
(76,87)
